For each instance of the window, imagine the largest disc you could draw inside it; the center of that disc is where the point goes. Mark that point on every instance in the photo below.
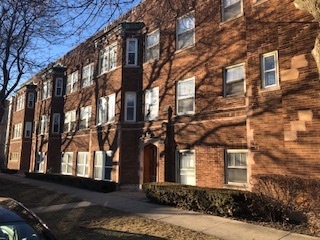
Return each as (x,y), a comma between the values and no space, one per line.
(103,165)
(17,130)
(130,107)
(231,9)
(185,96)
(66,163)
(28,130)
(14,156)
(87,75)
(270,74)
(151,104)
(59,87)
(108,58)
(85,117)
(69,121)
(20,102)
(186,167)
(106,109)
(31,100)
(234,80)
(72,82)
(56,123)
(236,166)
(43,124)
(132,52)
(82,164)
(185,31)
(152,46)
(39,165)
(46,90)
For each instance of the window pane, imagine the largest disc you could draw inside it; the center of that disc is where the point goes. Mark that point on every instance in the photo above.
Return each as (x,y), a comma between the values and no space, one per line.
(185,24)
(232,9)
(270,78)
(185,105)
(234,88)
(269,62)
(132,46)
(237,175)
(185,39)
(131,58)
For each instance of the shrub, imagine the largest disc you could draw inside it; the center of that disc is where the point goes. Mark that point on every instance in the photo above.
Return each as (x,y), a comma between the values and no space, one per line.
(79,182)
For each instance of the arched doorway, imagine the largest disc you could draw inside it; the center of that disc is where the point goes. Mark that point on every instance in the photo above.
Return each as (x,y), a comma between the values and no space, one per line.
(150,164)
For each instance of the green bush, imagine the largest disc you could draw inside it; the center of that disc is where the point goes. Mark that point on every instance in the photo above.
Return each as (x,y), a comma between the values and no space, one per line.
(220,202)
(79,182)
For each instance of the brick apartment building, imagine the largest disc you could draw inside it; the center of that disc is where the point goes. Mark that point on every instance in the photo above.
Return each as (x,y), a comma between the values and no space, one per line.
(208,93)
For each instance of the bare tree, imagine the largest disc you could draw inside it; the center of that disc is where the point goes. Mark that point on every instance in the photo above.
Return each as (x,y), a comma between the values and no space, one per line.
(27,27)
(312,7)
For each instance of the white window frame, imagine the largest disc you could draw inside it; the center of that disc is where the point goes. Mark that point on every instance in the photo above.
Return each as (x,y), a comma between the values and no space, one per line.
(106,109)
(227,166)
(72,82)
(31,98)
(180,32)
(59,87)
(20,102)
(87,75)
(46,89)
(108,58)
(225,6)
(28,130)
(56,121)
(275,69)
(70,119)
(17,131)
(43,124)
(234,80)
(127,107)
(181,97)
(101,168)
(85,114)
(85,164)
(135,52)
(66,163)
(156,46)
(39,163)
(151,111)
(189,171)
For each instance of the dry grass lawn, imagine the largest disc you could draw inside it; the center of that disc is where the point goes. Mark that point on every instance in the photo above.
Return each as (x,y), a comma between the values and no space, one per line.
(95,222)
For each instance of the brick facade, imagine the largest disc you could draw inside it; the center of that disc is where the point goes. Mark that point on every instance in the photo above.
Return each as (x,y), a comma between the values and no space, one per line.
(225,138)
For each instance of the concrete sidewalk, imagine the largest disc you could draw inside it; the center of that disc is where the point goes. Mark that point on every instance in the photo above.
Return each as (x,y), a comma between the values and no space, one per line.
(137,203)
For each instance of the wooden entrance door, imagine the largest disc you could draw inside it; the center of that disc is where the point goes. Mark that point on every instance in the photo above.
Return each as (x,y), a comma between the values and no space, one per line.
(150,164)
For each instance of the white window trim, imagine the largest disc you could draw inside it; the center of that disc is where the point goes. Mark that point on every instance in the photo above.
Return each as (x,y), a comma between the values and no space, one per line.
(193,30)
(177,97)
(89,80)
(53,123)
(147,106)
(235,80)
(28,127)
(20,102)
(46,85)
(85,165)
(43,124)
(178,178)
(154,45)
(231,18)
(112,48)
(31,99)
(40,162)
(110,108)
(87,117)
(263,71)
(135,52)
(66,163)
(239,167)
(72,78)
(17,131)
(104,158)
(68,116)
(134,107)
(56,87)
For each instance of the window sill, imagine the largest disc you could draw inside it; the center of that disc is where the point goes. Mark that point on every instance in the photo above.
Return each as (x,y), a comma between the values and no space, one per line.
(236,186)
(269,89)
(259,2)
(231,19)
(106,72)
(131,66)
(184,49)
